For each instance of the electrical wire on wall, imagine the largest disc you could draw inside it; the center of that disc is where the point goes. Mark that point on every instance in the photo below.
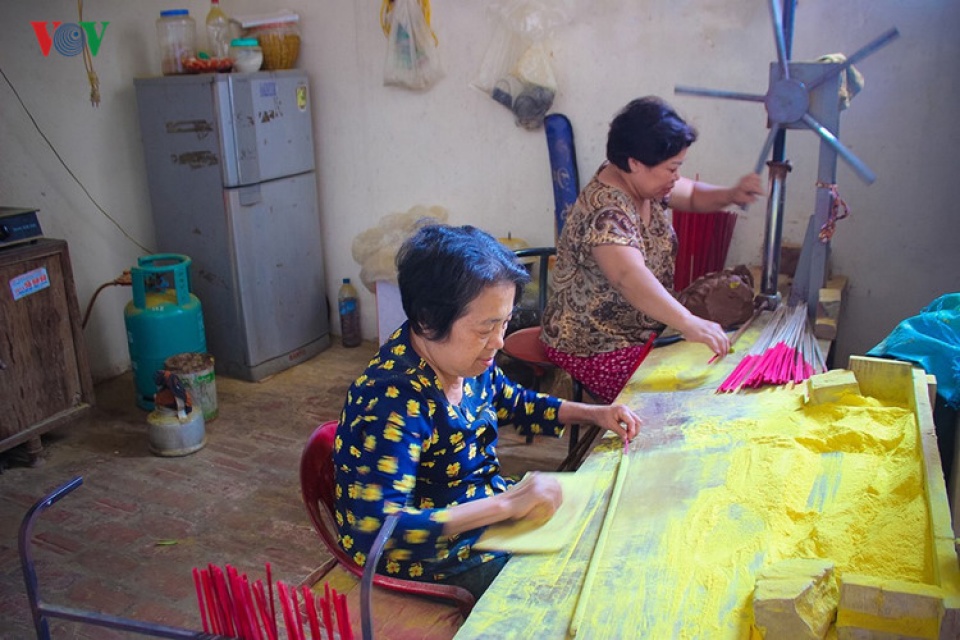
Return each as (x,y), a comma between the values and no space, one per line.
(123,280)
(36,125)
(88,64)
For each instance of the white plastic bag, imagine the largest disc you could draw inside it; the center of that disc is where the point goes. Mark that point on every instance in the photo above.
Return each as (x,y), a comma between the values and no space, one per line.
(516,69)
(375,249)
(413,58)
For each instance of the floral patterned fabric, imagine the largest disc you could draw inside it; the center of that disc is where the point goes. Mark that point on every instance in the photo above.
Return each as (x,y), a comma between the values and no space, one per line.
(585,315)
(604,375)
(401,446)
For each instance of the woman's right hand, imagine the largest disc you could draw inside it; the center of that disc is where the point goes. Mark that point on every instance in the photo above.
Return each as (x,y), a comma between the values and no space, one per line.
(537,497)
(747,190)
(708,333)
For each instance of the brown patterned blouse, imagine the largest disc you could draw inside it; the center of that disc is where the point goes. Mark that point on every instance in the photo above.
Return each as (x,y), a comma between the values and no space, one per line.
(585,315)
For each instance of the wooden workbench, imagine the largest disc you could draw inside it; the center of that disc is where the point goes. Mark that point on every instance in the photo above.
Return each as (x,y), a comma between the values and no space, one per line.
(665,510)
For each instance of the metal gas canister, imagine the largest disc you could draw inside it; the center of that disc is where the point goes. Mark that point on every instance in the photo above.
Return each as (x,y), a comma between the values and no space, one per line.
(176,426)
(172,435)
(163,319)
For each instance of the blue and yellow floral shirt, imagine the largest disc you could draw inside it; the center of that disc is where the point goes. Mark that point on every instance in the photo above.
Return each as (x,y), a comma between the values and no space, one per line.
(402,446)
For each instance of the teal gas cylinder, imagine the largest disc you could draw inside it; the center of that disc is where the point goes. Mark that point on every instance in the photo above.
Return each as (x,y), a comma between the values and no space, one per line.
(163,319)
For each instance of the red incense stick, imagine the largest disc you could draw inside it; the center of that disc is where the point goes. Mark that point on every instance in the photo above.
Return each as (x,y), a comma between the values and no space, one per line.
(215,619)
(200,603)
(273,607)
(311,605)
(343,618)
(325,609)
(239,614)
(296,611)
(288,618)
(261,598)
(223,599)
(250,607)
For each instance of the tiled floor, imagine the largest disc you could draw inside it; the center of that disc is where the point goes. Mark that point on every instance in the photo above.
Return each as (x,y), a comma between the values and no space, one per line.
(125,542)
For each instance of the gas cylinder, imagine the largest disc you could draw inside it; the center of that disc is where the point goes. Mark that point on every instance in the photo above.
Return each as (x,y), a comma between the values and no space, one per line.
(176,425)
(163,319)
(173,435)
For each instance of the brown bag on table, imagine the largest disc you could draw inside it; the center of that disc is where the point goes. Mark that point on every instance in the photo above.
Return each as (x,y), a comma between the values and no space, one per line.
(725,297)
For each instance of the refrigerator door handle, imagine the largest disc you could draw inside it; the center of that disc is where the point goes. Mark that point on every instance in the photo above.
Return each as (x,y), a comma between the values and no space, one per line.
(249,195)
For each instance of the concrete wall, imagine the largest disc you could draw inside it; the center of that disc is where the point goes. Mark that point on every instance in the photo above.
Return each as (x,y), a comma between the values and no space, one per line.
(383,150)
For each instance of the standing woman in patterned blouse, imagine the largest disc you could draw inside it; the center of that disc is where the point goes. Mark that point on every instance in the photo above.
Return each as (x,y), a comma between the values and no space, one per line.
(418,432)
(613,284)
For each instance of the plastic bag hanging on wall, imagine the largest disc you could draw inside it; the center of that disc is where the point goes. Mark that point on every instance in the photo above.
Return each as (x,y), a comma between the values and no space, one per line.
(516,69)
(413,57)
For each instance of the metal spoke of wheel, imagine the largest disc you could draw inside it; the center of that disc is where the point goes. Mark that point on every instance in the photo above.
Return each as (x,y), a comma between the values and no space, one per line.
(855,163)
(777,19)
(718,93)
(765,152)
(869,48)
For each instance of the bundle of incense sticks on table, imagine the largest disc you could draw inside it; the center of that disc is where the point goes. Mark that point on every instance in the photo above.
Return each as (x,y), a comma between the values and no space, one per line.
(703,240)
(232,606)
(786,351)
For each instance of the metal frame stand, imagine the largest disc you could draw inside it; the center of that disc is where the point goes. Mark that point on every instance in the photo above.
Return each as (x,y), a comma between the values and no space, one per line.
(769,290)
(801,96)
(42,611)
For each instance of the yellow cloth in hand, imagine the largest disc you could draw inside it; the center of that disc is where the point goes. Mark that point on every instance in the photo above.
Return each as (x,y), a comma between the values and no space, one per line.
(551,535)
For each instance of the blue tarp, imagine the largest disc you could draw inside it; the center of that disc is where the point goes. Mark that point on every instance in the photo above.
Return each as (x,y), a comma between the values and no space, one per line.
(930,340)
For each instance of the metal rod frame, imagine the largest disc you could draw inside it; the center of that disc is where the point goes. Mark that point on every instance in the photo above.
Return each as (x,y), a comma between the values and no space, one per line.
(777,139)
(41,611)
(772,238)
(366,582)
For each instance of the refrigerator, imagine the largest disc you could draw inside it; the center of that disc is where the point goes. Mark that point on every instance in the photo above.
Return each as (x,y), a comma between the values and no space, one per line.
(231,172)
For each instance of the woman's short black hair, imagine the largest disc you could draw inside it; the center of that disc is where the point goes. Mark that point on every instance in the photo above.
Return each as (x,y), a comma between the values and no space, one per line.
(441,269)
(649,131)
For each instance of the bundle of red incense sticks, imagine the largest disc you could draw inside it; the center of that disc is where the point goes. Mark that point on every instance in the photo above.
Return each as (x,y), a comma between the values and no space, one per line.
(785,351)
(232,606)
(703,240)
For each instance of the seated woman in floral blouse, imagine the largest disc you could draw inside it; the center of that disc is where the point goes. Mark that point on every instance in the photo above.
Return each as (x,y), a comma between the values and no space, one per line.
(418,431)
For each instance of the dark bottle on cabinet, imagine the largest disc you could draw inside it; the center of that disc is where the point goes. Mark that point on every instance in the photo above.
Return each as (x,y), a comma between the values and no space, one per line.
(349,314)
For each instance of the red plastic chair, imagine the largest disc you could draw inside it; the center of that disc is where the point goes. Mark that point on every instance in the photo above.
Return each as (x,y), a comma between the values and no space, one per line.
(317,486)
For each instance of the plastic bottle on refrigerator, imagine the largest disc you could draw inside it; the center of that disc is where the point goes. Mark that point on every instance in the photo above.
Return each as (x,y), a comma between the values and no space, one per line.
(349,314)
(218,31)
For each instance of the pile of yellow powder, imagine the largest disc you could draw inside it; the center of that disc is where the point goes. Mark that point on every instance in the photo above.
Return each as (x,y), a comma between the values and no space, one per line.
(841,481)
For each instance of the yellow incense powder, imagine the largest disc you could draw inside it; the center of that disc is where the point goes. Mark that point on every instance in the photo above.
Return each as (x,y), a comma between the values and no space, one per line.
(677,377)
(840,481)
(725,488)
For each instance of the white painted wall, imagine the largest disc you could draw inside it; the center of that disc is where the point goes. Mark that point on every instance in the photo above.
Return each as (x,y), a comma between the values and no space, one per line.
(382,150)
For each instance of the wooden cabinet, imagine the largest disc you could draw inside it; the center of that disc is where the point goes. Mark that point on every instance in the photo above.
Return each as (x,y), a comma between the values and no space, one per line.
(44,372)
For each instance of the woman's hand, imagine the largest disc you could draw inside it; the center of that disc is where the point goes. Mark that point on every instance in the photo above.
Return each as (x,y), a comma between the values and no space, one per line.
(709,333)
(617,418)
(613,417)
(693,195)
(537,497)
(747,190)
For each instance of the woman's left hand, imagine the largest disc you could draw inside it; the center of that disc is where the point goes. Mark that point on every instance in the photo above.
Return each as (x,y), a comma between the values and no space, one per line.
(613,417)
(620,419)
